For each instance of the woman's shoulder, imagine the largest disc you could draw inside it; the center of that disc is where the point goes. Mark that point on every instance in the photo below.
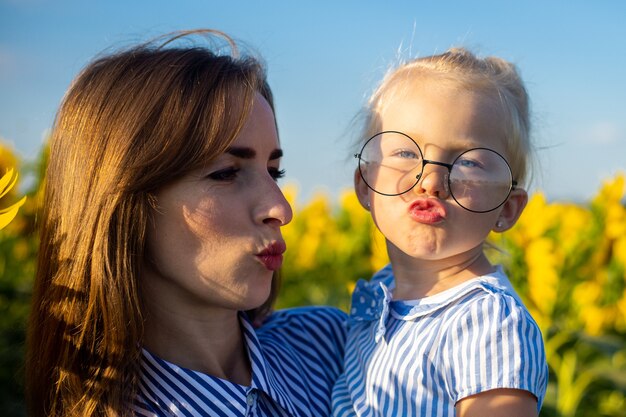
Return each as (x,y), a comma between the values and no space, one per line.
(305,329)
(309,339)
(307,318)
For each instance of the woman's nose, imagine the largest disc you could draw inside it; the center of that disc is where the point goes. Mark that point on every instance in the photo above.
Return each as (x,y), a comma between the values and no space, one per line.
(434,181)
(273,208)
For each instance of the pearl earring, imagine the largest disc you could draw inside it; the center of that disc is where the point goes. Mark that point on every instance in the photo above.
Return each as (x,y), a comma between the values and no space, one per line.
(499,224)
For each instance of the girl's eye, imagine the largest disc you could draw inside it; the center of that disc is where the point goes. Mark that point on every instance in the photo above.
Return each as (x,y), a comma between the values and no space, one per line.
(276,173)
(469,163)
(405,154)
(226,174)
(466,163)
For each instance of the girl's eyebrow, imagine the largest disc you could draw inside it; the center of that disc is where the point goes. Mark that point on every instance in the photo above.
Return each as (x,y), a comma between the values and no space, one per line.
(459,144)
(249,153)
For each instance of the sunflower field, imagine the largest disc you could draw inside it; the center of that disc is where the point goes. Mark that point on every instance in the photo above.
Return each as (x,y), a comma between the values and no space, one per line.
(567,261)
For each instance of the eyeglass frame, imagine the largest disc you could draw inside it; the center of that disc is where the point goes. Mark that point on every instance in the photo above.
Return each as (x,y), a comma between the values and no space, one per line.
(425,162)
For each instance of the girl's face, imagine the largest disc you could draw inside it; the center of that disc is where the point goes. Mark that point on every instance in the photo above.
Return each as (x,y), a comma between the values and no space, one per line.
(215,239)
(426,223)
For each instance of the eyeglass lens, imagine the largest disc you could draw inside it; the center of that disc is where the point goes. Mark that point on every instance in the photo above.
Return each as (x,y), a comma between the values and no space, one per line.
(479,180)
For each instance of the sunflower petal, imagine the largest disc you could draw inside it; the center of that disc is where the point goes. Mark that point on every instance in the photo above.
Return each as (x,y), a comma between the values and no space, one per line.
(9,213)
(7,182)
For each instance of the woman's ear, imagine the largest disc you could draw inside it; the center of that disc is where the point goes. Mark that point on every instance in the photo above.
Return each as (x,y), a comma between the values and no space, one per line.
(511,210)
(362,190)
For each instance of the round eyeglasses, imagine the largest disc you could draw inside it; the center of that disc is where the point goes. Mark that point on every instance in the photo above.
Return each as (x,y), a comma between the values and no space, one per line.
(479,179)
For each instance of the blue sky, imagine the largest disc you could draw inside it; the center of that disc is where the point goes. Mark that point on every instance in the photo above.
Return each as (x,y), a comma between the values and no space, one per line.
(324,58)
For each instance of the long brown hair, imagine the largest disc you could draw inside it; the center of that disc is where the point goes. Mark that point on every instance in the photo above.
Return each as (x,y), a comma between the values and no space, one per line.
(131,122)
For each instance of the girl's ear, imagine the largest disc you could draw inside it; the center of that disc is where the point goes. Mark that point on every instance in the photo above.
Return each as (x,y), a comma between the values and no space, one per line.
(362,190)
(511,210)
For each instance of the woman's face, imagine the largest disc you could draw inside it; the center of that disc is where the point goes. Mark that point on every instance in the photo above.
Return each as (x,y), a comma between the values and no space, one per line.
(215,240)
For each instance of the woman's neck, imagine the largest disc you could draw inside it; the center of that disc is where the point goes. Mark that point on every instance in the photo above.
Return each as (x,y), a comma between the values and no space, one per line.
(418,278)
(209,341)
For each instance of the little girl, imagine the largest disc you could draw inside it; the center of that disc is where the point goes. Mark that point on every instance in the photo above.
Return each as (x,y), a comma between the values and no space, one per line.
(440,331)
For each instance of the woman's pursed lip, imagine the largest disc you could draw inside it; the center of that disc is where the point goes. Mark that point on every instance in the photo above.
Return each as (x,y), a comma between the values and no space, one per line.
(272,256)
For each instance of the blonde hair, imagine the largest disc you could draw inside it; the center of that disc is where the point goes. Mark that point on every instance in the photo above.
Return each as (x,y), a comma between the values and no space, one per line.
(131,122)
(458,66)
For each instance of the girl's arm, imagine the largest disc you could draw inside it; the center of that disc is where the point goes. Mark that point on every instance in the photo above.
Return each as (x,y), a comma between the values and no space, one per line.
(498,403)
(494,359)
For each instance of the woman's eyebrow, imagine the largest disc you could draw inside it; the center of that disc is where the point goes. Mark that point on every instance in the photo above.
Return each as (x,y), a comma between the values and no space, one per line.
(249,153)
(241,152)
(276,154)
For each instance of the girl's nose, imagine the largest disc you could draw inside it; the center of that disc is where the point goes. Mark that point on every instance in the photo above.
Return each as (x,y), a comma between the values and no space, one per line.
(434,181)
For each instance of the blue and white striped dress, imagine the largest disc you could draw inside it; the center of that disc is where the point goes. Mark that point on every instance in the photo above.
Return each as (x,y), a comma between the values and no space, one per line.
(420,357)
(295,356)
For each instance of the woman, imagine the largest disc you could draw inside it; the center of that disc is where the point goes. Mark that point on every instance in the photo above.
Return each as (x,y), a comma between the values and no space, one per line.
(161,227)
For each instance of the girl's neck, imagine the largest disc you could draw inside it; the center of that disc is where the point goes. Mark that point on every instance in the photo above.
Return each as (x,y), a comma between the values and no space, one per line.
(210,342)
(418,278)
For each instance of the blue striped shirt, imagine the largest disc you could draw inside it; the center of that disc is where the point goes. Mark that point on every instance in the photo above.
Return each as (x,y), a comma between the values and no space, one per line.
(420,357)
(295,359)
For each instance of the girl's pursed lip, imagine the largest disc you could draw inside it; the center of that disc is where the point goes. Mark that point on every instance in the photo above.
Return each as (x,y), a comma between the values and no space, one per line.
(427,210)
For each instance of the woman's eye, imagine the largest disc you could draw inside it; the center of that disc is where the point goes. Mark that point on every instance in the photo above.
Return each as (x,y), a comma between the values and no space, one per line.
(227,174)
(276,173)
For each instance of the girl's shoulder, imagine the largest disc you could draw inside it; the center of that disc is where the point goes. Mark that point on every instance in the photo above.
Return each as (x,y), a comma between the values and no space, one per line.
(491,294)
(493,311)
